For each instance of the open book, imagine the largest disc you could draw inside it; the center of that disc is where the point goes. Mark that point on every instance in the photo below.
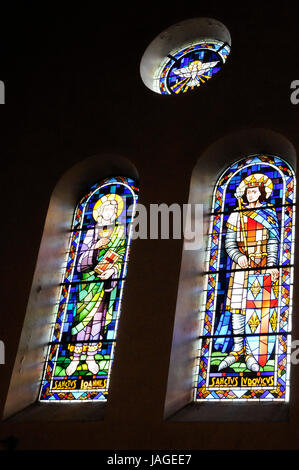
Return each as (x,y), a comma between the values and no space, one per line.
(108,260)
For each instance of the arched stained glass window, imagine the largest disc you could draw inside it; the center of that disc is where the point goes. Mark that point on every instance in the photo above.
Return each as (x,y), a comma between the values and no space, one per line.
(244,345)
(82,342)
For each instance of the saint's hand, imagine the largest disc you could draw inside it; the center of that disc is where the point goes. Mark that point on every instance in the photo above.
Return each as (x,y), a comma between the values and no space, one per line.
(274,274)
(107,274)
(243,261)
(102,242)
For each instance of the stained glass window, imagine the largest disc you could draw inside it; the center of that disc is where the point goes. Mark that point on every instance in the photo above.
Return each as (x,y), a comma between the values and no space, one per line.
(190,66)
(244,342)
(82,341)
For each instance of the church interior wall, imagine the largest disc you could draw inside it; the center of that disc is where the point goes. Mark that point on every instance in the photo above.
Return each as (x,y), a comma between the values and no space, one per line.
(64,106)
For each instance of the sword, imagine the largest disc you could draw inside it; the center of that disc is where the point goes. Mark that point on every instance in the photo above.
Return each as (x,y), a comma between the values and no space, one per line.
(239,198)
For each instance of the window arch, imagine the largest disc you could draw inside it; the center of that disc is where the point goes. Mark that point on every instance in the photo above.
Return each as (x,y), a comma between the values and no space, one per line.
(190,329)
(81,348)
(247,299)
(23,397)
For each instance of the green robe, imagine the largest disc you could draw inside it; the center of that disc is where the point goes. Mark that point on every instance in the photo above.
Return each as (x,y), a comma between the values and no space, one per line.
(91,294)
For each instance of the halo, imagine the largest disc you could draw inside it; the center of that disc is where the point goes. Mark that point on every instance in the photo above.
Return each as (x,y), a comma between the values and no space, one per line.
(256,179)
(105,199)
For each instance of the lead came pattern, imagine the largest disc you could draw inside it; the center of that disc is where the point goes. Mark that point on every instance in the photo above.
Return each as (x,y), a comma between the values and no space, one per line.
(87,303)
(191,66)
(273,375)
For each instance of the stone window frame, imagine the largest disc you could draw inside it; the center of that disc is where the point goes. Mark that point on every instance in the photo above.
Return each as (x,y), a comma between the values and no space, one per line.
(22,399)
(179,404)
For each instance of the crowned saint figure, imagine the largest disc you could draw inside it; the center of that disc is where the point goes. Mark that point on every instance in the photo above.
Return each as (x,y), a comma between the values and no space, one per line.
(252,243)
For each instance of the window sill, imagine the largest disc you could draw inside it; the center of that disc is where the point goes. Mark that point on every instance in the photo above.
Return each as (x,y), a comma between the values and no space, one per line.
(60,412)
(225,412)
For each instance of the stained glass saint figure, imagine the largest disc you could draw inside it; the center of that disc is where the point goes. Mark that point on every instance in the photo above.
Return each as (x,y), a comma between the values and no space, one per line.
(81,349)
(252,243)
(100,259)
(244,341)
